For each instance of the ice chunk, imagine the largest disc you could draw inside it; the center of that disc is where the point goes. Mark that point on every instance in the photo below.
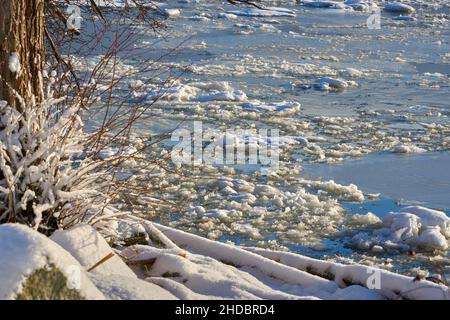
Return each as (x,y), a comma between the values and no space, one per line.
(407,148)
(412,227)
(404,18)
(267,12)
(432,238)
(334,83)
(398,7)
(218,213)
(363,219)
(282,107)
(326,4)
(430,217)
(168,12)
(236,95)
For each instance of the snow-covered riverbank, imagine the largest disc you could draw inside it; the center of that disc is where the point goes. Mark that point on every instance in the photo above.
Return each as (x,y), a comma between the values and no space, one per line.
(178,265)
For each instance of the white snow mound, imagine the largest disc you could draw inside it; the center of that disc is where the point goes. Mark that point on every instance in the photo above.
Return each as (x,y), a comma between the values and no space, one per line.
(89,247)
(23,251)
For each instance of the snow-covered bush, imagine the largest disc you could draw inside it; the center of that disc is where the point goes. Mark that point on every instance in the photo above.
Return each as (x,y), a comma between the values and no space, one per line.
(46,180)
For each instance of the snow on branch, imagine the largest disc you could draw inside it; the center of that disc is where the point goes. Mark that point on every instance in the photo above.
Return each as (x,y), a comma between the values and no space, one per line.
(46,180)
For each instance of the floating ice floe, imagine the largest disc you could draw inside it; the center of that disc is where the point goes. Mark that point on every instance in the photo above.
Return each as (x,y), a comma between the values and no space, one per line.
(328,83)
(414,227)
(404,18)
(351,72)
(398,7)
(171,12)
(407,148)
(364,6)
(195,92)
(288,272)
(266,27)
(363,219)
(220,214)
(282,107)
(235,95)
(200,17)
(228,16)
(349,193)
(327,5)
(112,277)
(267,12)
(116,152)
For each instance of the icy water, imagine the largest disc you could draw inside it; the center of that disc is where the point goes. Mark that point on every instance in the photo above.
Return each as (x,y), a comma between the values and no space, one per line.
(414,179)
(386,130)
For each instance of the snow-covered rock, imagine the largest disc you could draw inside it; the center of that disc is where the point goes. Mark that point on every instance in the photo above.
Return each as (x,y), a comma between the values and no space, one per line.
(52,272)
(349,193)
(85,244)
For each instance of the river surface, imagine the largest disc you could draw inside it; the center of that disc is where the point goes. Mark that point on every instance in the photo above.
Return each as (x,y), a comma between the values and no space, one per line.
(386,130)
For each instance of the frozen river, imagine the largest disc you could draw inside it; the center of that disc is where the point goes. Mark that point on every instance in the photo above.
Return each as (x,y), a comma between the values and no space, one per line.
(357,105)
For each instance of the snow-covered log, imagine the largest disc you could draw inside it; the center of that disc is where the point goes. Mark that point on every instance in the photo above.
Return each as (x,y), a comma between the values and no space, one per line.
(295,268)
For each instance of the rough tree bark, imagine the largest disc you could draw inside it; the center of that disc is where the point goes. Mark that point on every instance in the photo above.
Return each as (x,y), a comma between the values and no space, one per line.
(22,34)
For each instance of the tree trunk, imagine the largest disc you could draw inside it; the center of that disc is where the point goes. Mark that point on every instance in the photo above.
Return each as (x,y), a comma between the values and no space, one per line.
(22,51)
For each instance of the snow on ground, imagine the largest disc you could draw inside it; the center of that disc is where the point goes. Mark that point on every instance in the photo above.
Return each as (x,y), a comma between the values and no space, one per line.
(23,251)
(291,272)
(179,265)
(392,286)
(89,247)
(116,287)
(202,276)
